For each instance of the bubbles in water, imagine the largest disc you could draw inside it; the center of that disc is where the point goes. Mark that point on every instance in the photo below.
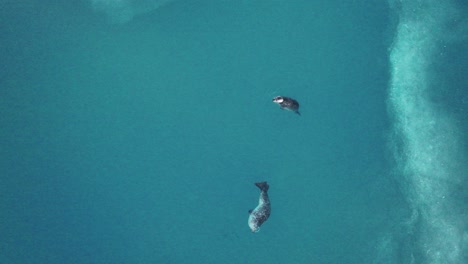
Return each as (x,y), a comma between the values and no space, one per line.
(431,160)
(122,11)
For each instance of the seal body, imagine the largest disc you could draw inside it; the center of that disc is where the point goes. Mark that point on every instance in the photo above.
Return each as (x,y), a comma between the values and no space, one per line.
(287,103)
(261,213)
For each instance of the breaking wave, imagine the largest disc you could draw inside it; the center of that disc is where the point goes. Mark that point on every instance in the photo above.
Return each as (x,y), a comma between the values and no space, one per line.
(427,140)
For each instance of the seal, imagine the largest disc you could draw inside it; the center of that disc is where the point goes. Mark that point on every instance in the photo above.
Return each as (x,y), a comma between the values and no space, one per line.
(287,103)
(261,213)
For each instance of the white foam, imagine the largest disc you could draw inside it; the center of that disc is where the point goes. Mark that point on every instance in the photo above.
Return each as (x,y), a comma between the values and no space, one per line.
(122,11)
(429,155)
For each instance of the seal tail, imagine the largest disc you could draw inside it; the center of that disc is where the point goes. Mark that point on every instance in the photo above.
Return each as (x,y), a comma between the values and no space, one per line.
(262,186)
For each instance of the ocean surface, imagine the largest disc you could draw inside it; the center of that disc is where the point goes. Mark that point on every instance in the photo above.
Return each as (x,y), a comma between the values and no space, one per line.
(133,131)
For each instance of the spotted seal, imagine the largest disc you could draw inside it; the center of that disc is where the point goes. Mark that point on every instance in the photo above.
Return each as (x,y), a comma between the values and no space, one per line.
(261,213)
(287,103)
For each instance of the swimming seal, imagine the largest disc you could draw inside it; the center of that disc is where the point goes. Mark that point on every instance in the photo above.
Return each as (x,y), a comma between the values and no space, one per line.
(261,213)
(287,103)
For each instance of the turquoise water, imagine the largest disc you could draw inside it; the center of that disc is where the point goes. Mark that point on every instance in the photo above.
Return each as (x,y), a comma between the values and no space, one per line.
(133,131)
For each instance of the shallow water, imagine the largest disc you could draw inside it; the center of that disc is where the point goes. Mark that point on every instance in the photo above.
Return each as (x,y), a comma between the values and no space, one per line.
(133,131)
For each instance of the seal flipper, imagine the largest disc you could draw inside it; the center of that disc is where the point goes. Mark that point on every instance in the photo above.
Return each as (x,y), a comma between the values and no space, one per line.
(250,211)
(297,112)
(262,186)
